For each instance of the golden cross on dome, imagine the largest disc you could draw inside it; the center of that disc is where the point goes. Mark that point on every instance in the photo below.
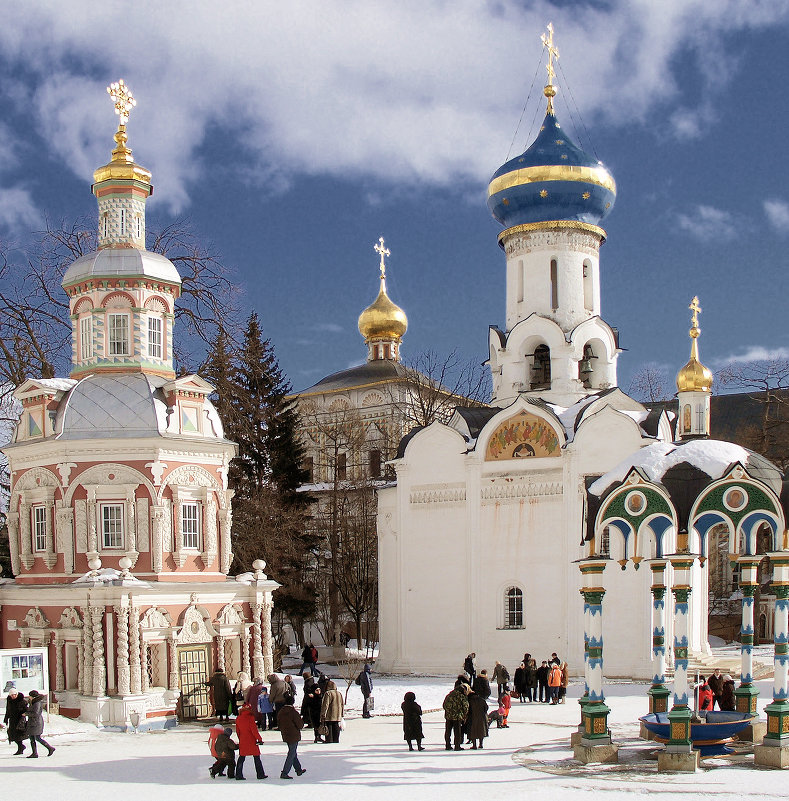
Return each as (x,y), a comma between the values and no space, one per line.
(695,308)
(123,98)
(384,251)
(552,51)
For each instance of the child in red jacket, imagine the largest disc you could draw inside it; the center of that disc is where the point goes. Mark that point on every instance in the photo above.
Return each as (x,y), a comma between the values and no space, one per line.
(505,702)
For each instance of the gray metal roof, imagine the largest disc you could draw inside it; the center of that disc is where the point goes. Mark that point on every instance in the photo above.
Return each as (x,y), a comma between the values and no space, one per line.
(378,371)
(122,262)
(123,405)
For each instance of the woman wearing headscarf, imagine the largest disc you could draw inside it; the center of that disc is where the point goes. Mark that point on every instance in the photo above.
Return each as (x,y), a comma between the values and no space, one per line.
(35,725)
(412,721)
(15,709)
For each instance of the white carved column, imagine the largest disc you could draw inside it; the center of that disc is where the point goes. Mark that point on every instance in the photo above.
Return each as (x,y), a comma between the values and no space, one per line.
(173,683)
(12,521)
(93,535)
(99,667)
(225,525)
(50,557)
(87,652)
(122,660)
(146,681)
(258,662)
(157,537)
(220,652)
(64,529)
(135,658)
(209,529)
(24,530)
(245,654)
(24,640)
(131,525)
(60,678)
(178,538)
(268,656)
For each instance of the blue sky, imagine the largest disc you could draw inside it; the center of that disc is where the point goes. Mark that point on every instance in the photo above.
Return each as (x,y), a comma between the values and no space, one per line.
(294,135)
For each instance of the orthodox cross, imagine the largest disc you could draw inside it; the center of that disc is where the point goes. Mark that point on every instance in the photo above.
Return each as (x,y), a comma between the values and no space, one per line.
(124,100)
(695,308)
(552,51)
(379,248)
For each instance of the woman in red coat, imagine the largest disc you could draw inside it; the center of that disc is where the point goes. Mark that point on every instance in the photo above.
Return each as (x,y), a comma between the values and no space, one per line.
(248,742)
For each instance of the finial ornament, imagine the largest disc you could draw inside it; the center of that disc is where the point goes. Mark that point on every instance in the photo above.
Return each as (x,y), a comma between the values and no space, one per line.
(123,98)
(694,323)
(550,89)
(384,251)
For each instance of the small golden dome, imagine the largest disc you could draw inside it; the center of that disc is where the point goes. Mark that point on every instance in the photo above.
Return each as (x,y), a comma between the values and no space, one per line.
(383,319)
(694,376)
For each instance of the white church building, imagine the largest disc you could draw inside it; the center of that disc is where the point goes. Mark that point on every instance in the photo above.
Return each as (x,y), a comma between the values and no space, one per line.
(479,534)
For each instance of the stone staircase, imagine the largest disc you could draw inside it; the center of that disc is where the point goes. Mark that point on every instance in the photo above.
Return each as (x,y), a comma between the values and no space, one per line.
(728,661)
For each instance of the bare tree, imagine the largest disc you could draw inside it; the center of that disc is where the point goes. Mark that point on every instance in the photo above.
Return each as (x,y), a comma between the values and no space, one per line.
(432,386)
(650,384)
(766,383)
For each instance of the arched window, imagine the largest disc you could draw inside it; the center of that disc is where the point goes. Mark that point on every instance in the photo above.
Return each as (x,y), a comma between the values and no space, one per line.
(541,368)
(604,548)
(513,608)
(588,286)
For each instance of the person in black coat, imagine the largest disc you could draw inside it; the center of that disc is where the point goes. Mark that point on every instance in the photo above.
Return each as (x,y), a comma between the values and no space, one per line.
(309,684)
(221,693)
(481,685)
(468,666)
(412,722)
(365,680)
(35,725)
(15,711)
(520,682)
(477,720)
(314,703)
(542,681)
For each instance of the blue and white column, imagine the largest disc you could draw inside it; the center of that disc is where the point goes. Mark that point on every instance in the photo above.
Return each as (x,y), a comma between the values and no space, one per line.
(746,694)
(658,693)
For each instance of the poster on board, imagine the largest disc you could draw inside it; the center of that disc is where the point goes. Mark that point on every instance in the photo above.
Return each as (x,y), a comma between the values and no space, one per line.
(24,668)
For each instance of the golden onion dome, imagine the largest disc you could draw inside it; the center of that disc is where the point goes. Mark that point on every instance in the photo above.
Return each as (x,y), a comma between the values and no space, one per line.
(694,376)
(383,319)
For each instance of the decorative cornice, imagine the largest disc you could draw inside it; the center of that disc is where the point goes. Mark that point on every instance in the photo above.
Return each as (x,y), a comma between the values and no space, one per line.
(553,225)
(522,489)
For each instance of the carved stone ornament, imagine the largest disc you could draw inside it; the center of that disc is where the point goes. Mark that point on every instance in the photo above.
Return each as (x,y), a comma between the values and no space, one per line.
(191,475)
(35,619)
(231,615)
(37,477)
(156,618)
(195,628)
(70,619)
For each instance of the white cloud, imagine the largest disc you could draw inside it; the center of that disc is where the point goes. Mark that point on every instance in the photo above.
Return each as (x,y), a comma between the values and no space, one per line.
(777,212)
(18,212)
(404,91)
(757,353)
(706,223)
(329,328)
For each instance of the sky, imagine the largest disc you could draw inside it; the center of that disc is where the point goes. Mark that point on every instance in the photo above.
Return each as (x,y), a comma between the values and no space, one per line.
(293,135)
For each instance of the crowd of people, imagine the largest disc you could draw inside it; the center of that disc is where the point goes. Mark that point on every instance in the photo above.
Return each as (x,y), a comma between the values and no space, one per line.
(717,689)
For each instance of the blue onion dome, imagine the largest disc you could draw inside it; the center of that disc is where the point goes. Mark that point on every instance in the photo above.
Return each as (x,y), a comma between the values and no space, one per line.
(553,180)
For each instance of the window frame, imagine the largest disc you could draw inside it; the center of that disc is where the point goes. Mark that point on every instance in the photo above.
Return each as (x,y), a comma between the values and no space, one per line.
(194,533)
(86,337)
(112,340)
(39,527)
(513,608)
(121,525)
(154,321)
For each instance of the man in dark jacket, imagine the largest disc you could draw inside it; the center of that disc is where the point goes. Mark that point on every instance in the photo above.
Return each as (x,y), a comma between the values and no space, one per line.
(470,668)
(365,680)
(290,725)
(715,682)
(481,685)
(225,756)
(15,709)
(455,713)
(542,681)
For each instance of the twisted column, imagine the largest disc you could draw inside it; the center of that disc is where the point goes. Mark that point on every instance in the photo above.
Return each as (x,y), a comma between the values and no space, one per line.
(245,653)
(60,678)
(122,660)
(258,661)
(220,652)
(135,658)
(268,655)
(173,683)
(99,667)
(146,682)
(86,685)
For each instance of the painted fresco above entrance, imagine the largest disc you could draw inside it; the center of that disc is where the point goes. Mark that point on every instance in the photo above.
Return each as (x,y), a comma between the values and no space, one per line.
(523,436)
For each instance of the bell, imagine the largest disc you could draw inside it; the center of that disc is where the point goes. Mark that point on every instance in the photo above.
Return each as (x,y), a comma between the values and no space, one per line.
(585,367)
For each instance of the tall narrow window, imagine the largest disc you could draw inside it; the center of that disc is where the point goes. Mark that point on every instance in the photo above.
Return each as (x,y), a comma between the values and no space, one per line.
(123,222)
(86,337)
(588,286)
(105,224)
(541,368)
(155,337)
(375,464)
(520,281)
(605,542)
(342,466)
(190,525)
(308,466)
(513,608)
(112,525)
(40,528)
(138,227)
(554,284)
(119,334)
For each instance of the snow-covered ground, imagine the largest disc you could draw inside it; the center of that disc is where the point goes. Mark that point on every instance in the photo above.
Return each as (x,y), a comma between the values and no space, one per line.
(372,761)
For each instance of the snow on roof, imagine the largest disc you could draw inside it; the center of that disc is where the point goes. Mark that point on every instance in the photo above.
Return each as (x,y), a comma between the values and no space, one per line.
(107,575)
(62,384)
(711,456)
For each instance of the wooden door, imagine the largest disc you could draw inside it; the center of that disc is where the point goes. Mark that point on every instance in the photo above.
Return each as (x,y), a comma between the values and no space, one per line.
(193,661)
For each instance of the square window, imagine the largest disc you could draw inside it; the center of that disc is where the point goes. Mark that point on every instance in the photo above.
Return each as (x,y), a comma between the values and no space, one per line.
(112,525)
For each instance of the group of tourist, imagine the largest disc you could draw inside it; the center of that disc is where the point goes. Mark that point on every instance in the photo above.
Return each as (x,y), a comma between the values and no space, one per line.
(24,720)
(545,684)
(717,689)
